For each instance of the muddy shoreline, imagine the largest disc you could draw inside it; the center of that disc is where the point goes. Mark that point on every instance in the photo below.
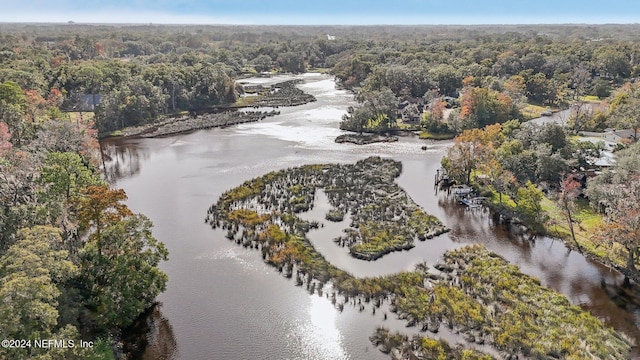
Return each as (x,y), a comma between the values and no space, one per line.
(364,139)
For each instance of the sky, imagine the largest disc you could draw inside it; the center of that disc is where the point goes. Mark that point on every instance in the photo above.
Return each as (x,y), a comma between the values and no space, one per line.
(327,12)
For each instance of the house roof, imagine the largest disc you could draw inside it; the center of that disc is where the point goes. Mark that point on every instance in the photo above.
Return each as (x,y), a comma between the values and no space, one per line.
(627,134)
(610,145)
(607,159)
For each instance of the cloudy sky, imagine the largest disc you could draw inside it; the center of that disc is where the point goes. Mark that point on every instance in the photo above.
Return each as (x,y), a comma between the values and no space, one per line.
(322,12)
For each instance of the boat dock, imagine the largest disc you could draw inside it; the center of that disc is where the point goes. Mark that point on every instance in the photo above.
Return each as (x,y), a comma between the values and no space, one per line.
(474,202)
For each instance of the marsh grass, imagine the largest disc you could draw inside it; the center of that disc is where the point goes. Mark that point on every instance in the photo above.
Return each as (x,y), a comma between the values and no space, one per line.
(426,135)
(473,291)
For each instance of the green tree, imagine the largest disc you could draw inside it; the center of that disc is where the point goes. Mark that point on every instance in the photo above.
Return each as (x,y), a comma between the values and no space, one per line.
(528,200)
(291,62)
(18,205)
(600,88)
(31,270)
(549,165)
(262,63)
(12,110)
(122,277)
(447,78)
(64,177)
(540,89)
(624,108)
(377,112)
(613,63)
(135,102)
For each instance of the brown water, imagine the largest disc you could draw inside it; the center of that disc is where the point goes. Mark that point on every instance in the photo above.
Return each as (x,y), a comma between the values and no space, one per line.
(223,302)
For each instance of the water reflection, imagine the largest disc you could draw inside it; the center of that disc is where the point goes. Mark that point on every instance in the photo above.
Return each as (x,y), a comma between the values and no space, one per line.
(121,161)
(238,307)
(162,341)
(150,337)
(321,333)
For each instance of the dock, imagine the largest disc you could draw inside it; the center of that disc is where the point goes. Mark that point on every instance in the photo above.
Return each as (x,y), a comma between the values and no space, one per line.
(462,190)
(474,202)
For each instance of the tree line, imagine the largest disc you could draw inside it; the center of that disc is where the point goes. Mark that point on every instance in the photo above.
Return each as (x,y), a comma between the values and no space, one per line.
(518,165)
(139,73)
(75,262)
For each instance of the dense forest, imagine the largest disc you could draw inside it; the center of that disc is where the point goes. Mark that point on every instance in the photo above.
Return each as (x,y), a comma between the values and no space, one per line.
(75,262)
(133,75)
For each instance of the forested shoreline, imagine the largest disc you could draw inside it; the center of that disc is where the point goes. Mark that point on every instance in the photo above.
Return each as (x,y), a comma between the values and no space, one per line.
(134,75)
(93,263)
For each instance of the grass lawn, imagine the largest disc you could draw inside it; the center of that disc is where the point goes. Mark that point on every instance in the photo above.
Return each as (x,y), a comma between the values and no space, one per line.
(590,98)
(425,135)
(245,101)
(319,70)
(76,115)
(586,222)
(530,111)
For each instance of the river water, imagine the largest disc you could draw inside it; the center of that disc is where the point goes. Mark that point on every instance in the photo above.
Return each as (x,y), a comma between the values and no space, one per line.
(223,302)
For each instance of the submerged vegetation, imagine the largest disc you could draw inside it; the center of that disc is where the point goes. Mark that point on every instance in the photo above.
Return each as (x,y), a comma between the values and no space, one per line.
(417,347)
(473,292)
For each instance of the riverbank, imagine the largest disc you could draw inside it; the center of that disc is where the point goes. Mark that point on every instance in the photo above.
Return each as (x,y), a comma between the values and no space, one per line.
(208,121)
(285,93)
(586,224)
(364,139)
(400,346)
(280,94)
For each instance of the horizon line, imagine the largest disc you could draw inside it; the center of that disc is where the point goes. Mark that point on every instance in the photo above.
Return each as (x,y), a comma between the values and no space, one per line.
(151,23)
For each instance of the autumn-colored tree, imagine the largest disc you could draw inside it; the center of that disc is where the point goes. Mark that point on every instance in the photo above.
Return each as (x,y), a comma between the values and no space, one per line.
(54,98)
(515,87)
(569,191)
(99,208)
(5,138)
(64,176)
(472,149)
(437,109)
(35,104)
(483,106)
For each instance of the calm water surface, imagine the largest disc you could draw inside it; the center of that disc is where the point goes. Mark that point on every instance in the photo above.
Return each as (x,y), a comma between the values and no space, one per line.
(223,302)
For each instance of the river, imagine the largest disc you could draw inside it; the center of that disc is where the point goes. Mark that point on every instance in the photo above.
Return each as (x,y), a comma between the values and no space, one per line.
(224,302)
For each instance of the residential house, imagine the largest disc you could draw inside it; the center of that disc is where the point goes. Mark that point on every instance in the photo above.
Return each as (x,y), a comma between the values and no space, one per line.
(612,135)
(88,102)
